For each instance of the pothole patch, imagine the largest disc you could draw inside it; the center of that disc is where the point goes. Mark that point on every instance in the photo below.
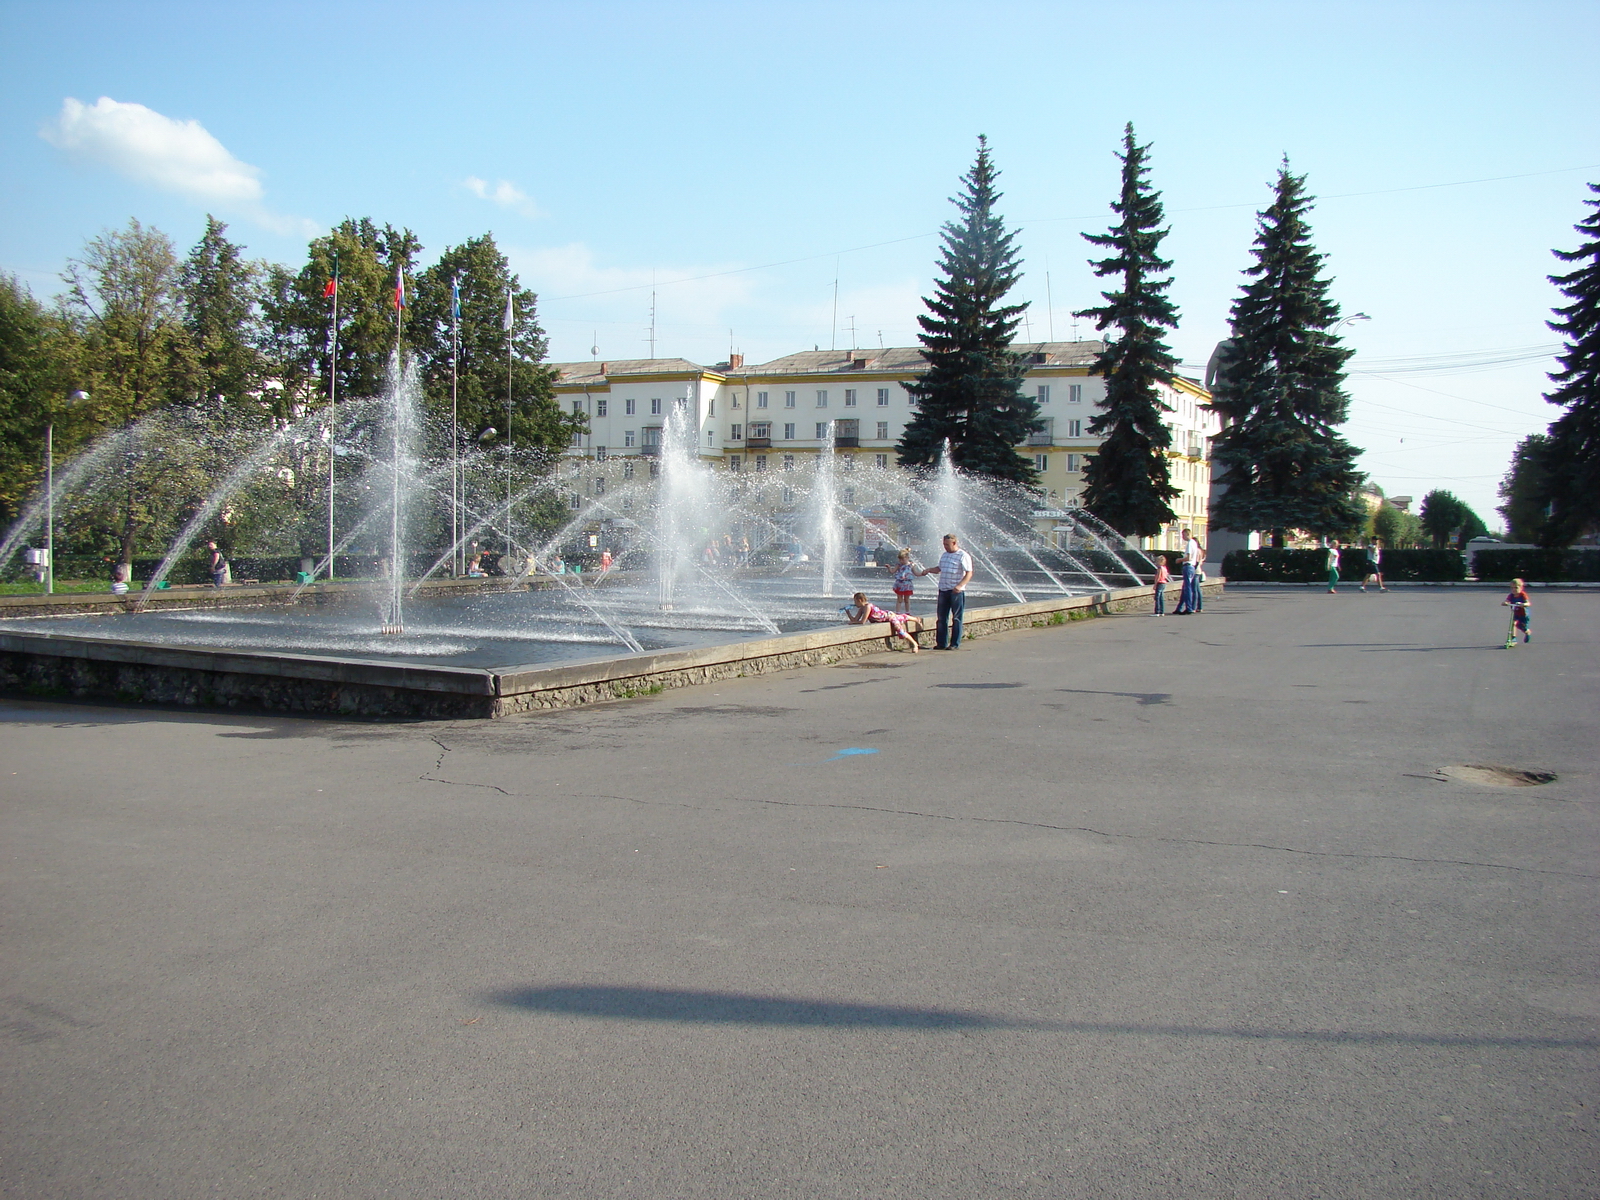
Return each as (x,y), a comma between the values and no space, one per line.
(1495,775)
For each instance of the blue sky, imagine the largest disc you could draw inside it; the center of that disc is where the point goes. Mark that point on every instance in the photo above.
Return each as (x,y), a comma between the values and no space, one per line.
(744,157)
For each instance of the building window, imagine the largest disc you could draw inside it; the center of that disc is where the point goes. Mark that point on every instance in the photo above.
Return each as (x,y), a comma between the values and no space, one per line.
(848,464)
(822,430)
(881,461)
(850,497)
(761,462)
(883,431)
(628,407)
(577,408)
(760,429)
(577,439)
(736,433)
(1075,393)
(711,407)
(1041,463)
(1044,393)
(788,399)
(627,438)
(735,463)
(1074,462)
(600,407)
(733,401)
(599,454)
(574,501)
(680,403)
(849,397)
(788,432)
(788,463)
(655,407)
(711,437)
(655,467)
(1074,428)
(627,469)
(883,397)
(599,485)
(761,399)
(822,399)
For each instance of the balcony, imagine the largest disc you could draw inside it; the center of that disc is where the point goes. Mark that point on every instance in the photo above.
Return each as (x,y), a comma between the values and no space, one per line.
(650,451)
(758,443)
(1045,438)
(846,443)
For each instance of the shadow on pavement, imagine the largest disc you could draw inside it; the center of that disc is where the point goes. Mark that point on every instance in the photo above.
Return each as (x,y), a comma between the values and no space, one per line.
(617,1002)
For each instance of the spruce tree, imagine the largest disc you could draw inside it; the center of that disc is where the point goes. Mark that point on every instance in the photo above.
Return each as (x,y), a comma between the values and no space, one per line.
(971,392)
(220,310)
(1572,456)
(1128,484)
(1280,388)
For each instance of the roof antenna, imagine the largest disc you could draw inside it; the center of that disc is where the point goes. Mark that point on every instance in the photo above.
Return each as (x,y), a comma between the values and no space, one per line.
(1049,300)
(594,344)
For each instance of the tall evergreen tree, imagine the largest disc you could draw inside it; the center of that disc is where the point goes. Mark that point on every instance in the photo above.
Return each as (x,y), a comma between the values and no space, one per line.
(1280,388)
(485,279)
(1128,483)
(1572,458)
(971,392)
(1524,492)
(220,310)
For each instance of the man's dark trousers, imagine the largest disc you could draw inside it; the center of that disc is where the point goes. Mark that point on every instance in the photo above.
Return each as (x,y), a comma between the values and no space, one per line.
(952,608)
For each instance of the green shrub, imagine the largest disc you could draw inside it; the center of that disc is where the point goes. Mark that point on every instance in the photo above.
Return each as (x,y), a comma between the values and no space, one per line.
(1311,566)
(1539,566)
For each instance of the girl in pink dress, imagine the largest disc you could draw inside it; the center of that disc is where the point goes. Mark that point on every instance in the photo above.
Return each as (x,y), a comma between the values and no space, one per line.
(867,613)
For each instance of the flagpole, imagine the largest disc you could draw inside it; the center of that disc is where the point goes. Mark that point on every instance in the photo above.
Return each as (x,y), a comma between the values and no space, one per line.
(510,322)
(455,429)
(333,401)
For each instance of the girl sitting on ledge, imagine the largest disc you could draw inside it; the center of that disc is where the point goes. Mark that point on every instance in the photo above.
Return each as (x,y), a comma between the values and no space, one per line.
(865,612)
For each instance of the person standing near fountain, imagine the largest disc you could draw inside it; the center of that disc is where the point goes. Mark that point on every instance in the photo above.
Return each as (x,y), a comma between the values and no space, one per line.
(218,565)
(1194,555)
(955,572)
(905,573)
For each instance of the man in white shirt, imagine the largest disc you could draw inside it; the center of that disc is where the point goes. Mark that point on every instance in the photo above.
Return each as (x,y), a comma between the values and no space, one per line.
(1194,557)
(955,572)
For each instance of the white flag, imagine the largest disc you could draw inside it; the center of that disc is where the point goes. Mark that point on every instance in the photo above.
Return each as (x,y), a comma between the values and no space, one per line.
(511,320)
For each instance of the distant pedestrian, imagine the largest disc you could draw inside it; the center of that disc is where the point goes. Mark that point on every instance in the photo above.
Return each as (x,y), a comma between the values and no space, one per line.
(865,612)
(1162,577)
(218,565)
(1517,600)
(955,572)
(1374,566)
(605,561)
(1333,566)
(905,572)
(120,573)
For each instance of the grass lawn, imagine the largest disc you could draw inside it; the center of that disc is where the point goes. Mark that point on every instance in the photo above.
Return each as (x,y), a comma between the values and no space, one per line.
(29,588)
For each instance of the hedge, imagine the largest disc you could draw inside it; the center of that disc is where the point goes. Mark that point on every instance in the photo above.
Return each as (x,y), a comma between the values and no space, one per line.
(1540,566)
(1311,566)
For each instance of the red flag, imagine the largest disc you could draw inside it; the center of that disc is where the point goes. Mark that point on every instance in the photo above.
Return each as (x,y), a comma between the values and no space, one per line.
(333,286)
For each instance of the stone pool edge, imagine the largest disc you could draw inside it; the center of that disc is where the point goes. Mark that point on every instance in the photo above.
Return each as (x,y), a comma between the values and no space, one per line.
(61,666)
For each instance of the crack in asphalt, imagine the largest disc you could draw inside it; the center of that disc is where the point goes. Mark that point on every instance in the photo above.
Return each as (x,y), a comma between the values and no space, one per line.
(1132,837)
(431,776)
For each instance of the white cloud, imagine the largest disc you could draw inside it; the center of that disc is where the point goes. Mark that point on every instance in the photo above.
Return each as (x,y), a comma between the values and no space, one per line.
(175,156)
(505,193)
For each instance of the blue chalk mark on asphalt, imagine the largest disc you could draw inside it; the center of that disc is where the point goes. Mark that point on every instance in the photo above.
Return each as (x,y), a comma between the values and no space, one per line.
(847,752)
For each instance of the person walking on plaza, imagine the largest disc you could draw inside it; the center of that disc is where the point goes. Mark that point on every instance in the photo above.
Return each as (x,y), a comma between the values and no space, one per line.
(1162,576)
(955,572)
(218,565)
(1333,566)
(1518,602)
(1374,566)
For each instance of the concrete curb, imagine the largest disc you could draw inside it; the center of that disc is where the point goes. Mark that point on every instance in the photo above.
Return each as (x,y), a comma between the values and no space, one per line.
(102,668)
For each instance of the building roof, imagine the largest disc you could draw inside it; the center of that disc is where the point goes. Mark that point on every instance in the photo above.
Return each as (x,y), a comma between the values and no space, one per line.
(598,372)
(909,358)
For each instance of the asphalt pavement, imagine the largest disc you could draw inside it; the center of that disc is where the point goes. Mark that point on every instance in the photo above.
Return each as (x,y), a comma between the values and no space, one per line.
(1133,907)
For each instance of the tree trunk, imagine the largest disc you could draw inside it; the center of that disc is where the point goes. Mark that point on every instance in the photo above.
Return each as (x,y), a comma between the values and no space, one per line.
(1277,539)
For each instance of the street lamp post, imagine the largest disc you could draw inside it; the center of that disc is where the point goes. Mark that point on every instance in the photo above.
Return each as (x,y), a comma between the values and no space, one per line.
(77,397)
